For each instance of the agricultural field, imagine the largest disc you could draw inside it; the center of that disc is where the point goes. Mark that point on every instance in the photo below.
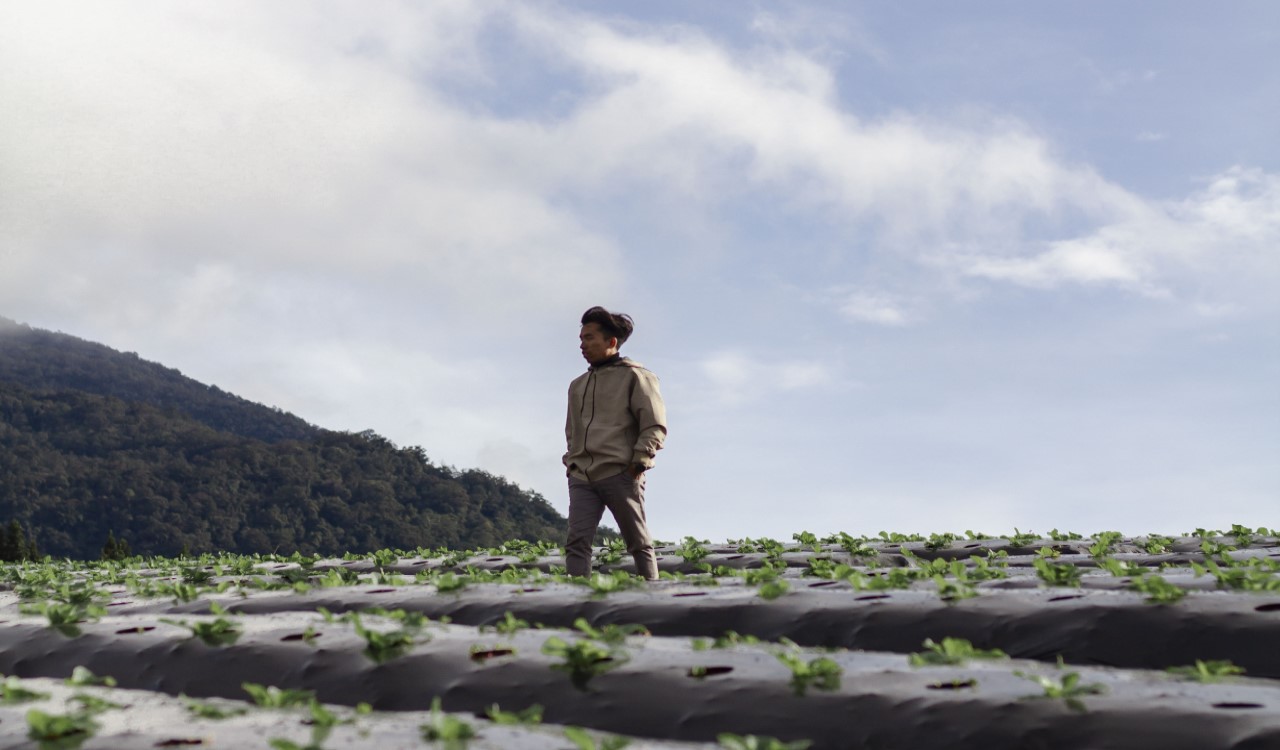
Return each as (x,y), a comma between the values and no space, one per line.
(1048,641)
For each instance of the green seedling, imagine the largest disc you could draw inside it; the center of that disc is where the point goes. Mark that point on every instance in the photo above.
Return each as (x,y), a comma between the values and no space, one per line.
(1059,536)
(1120,568)
(1157,589)
(753,742)
(1243,534)
(808,539)
(450,731)
(730,638)
(92,704)
(510,624)
(1212,548)
(1053,574)
(1156,544)
(770,590)
(449,582)
(610,635)
(381,647)
(583,659)
(1103,542)
(196,576)
(81,676)
(1207,671)
(270,696)
(1020,539)
(1067,688)
(585,741)
(691,550)
(218,632)
(951,651)
(602,584)
(1242,577)
(821,673)
(60,730)
(1048,553)
(205,710)
(954,591)
(940,541)
(855,546)
(12,691)
(526,717)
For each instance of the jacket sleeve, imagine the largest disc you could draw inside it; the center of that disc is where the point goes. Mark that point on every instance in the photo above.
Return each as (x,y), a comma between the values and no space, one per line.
(568,427)
(651,418)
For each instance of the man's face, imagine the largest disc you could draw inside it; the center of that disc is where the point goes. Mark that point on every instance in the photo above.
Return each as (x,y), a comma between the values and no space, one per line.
(596,346)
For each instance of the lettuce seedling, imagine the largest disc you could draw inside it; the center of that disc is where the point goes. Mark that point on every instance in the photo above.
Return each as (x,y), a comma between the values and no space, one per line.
(951,651)
(1157,589)
(525,717)
(271,696)
(583,659)
(1067,688)
(1207,671)
(584,741)
(770,590)
(210,710)
(81,676)
(822,673)
(60,730)
(752,742)
(1065,574)
(12,691)
(610,635)
(1156,544)
(452,732)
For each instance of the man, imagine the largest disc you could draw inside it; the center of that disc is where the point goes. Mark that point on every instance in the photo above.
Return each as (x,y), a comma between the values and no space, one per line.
(615,425)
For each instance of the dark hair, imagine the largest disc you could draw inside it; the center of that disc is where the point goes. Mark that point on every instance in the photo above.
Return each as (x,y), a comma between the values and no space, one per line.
(614,325)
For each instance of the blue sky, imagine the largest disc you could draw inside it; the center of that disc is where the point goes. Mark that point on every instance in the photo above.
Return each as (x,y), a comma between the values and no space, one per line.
(908,266)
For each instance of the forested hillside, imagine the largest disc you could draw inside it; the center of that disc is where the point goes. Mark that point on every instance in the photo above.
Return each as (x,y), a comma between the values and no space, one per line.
(46,361)
(94,442)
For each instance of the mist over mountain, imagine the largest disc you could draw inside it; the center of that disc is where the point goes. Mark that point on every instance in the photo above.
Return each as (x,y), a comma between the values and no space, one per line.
(95,441)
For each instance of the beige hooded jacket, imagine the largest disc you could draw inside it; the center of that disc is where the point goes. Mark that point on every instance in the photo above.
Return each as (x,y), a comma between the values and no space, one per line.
(616,418)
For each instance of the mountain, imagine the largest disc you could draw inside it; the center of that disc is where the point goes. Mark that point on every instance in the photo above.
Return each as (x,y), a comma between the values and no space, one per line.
(96,442)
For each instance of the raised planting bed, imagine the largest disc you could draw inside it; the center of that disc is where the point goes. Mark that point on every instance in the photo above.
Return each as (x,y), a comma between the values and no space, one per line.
(818,640)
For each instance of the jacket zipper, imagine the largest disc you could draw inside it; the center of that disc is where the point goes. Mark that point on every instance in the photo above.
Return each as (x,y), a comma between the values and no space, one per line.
(586,430)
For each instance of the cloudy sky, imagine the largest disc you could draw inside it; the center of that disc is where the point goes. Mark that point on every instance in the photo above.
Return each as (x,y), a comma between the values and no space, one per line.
(916,266)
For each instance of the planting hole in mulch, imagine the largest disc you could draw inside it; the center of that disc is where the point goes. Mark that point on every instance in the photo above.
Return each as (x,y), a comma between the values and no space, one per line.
(700,672)
(494,559)
(180,741)
(1272,607)
(869,597)
(300,636)
(491,653)
(691,593)
(118,604)
(1237,705)
(971,546)
(952,684)
(422,562)
(820,584)
(1064,598)
(381,591)
(735,557)
(136,631)
(529,591)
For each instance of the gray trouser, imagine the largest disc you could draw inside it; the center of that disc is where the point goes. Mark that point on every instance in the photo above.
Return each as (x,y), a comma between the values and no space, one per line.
(624,497)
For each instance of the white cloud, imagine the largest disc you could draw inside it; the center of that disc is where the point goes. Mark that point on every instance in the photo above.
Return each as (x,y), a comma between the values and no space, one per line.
(1223,236)
(733,377)
(872,307)
(271,137)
